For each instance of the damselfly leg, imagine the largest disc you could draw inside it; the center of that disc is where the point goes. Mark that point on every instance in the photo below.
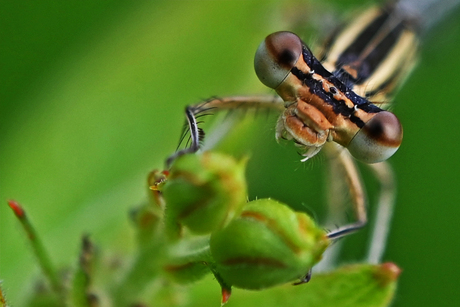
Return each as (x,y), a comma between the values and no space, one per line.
(194,112)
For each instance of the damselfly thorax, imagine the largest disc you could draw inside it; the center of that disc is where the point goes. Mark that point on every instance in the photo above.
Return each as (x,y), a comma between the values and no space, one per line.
(340,96)
(320,107)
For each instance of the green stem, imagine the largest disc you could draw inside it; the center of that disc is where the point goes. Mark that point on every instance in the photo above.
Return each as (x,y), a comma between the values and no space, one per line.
(38,249)
(82,276)
(143,271)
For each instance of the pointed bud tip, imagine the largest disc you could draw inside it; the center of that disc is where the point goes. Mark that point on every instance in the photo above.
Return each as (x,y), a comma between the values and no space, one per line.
(156,179)
(17,209)
(226,293)
(391,269)
(387,272)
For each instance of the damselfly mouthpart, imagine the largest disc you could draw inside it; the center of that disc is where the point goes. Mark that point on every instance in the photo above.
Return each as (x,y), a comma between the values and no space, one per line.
(336,100)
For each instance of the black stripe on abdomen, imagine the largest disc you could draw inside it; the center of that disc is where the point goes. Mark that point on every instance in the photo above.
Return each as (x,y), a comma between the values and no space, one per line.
(353,55)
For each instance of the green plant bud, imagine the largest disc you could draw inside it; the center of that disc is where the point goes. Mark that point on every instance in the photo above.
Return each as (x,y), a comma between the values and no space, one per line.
(204,192)
(187,260)
(267,245)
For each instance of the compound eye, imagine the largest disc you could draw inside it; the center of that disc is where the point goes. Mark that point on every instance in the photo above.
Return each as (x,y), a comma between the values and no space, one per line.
(275,57)
(378,140)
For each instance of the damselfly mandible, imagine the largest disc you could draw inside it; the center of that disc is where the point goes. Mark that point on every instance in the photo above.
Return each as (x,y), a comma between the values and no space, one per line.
(337,99)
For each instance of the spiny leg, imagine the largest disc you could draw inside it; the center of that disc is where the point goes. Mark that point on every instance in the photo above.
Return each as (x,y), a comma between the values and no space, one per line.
(336,189)
(216,104)
(344,161)
(384,174)
(356,189)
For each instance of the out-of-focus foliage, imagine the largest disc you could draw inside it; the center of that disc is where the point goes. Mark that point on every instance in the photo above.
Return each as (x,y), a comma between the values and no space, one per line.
(91,99)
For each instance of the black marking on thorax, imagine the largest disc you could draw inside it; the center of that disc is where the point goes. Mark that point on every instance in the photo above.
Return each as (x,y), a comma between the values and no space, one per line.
(353,55)
(316,88)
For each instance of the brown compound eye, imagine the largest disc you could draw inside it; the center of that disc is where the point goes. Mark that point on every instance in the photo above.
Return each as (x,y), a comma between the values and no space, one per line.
(378,140)
(275,57)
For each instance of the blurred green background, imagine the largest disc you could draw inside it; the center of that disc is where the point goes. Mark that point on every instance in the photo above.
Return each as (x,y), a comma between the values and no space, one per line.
(92,96)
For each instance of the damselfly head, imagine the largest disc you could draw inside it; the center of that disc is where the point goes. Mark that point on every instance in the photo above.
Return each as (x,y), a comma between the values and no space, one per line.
(378,139)
(275,57)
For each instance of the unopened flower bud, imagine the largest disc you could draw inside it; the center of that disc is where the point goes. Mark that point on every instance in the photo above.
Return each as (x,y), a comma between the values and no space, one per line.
(204,192)
(267,245)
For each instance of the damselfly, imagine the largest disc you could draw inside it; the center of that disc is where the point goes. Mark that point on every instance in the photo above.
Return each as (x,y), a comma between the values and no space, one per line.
(337,99)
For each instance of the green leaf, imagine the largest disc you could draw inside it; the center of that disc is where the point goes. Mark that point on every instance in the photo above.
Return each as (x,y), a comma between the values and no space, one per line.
(357,285)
